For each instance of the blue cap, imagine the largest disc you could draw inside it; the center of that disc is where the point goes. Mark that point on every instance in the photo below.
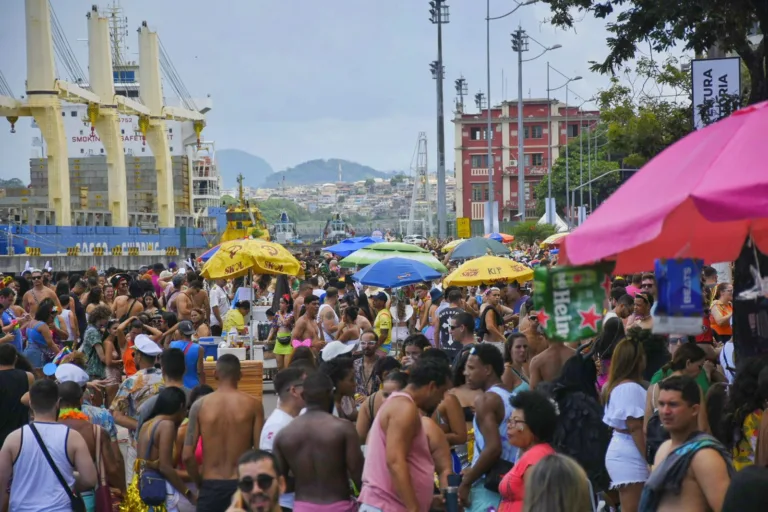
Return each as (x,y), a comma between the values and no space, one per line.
(49,370)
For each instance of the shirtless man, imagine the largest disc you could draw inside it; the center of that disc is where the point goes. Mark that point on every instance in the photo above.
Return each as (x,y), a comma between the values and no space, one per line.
(306,327)
(705,462)
(322,452)
(130,304)
(546,366)
(37,293)
(229,423)
(348,329)
(185,301)
(200,297)
(326,316)
(305,290)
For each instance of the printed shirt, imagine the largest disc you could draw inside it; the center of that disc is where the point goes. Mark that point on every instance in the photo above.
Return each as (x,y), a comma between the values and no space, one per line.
(101,417)
(136,390)
(365,386)
(744,452)
(95,367)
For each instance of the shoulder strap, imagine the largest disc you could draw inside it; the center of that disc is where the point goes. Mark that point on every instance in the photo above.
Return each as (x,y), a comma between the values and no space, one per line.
(52,464)
(189,346)
(371,400)
(655,397)
(151,439)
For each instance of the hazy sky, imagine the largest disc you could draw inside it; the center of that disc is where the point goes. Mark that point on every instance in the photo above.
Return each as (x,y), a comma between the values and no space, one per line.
(294,80)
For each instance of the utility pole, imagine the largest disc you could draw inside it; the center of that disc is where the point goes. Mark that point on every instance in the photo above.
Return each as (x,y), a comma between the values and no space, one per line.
(461,91)
(520,45)
(439,16)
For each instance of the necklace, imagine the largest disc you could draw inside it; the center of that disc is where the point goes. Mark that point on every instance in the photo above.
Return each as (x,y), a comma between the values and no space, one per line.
(71,413)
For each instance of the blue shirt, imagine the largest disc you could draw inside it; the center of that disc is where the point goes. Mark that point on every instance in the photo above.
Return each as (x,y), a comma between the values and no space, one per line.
(191,354)
(8,317)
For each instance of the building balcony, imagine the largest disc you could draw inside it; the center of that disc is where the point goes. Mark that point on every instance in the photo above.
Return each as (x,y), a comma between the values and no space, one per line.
(511,204)
(530,170)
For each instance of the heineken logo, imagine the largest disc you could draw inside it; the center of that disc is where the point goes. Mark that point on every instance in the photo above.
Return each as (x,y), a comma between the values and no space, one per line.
(589,319)
(562,302)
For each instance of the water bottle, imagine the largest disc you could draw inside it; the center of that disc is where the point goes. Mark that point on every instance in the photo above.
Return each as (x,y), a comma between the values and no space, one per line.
(451,493)
(231,337)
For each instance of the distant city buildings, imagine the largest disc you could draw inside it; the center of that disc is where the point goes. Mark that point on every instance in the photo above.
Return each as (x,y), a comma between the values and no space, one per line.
(471,148)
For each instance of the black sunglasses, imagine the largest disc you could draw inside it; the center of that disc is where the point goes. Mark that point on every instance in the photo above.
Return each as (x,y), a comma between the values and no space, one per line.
(263,481)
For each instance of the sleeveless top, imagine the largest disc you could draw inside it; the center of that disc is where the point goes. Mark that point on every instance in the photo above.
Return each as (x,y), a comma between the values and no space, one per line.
(35,337)
(378,489)
(191,354)
(508,452)
(31,472)
(13,385)
(67,315)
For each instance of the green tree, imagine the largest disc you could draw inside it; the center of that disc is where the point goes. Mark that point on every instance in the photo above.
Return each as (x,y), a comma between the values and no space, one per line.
(397,179)
(227,200)
(341,199)
(530,231)
(659,25)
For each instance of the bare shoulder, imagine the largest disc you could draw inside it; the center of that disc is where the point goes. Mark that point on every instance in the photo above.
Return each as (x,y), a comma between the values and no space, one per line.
(13,441)
(709,460)
(662,452)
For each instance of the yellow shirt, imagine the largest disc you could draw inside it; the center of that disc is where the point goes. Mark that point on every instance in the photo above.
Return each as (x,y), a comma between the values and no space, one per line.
(384,321)
(234,319)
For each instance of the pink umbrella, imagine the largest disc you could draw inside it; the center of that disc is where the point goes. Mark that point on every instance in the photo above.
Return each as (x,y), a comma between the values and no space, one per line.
(699,198)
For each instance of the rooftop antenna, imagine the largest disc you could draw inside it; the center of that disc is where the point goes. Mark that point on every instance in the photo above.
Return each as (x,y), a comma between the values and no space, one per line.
(340,172)
(118,30)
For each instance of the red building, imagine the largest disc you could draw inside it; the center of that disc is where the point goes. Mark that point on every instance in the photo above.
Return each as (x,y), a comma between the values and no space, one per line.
(471,158)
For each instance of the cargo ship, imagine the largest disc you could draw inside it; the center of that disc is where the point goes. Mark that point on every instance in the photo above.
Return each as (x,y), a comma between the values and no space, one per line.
(28,222)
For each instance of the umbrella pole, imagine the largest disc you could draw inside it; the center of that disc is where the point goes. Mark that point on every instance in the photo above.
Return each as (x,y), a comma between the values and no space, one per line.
(250,331)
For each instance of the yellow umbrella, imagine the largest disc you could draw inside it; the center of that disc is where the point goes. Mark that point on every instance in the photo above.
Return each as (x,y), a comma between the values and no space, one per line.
(452,244)
(239,257)
(488,270)
(554,239)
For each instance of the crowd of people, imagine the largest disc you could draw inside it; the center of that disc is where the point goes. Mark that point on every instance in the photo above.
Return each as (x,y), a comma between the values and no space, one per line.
(414,399)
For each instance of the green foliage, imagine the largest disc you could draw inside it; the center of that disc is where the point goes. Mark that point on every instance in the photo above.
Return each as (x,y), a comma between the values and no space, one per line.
(272,208)
(601,188)
(397,179)
(322,171)
(341,199)
(529,232)
(227,200)
(660,25)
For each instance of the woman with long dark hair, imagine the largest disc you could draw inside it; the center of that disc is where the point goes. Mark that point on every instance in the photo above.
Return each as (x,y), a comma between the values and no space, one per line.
(744,411)
(41,348)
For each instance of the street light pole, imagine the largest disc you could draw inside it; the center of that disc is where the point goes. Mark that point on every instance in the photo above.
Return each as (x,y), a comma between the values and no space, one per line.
(550,216)
(520,44)
(489,130)
(439,13)
(567,166)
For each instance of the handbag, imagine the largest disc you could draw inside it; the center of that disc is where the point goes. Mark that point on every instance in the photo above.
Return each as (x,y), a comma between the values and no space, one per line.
(104,501)
(496,473)
(78,505)
(151,482)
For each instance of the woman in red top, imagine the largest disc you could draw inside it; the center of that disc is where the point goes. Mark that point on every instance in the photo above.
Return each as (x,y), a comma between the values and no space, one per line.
(530,428)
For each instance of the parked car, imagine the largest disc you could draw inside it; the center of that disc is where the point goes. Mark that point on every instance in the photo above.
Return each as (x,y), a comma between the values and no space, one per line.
(415,240)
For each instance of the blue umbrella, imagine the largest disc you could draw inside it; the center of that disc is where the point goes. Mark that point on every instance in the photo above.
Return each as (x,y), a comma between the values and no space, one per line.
(350,245)
(396,272)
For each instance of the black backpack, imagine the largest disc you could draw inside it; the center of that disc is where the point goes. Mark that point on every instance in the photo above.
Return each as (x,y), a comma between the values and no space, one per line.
(655,433)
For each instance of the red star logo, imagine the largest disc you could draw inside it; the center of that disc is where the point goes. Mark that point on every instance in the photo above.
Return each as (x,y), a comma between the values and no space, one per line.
(543,318)
(589,318)
(607,285)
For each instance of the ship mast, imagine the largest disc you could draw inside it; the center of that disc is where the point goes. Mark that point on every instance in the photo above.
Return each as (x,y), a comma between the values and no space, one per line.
(240,193)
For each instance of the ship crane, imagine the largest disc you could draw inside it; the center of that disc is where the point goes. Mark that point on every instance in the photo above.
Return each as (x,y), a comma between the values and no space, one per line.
(45,94)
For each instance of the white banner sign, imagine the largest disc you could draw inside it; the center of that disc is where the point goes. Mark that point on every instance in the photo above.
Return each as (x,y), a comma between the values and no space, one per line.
(713,79)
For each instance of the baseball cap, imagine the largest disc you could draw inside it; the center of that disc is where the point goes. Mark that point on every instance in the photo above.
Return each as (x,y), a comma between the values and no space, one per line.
(335,349)
(145,345)
(186,328)
(166,274)
(380,296)
(69,372)
(435,294)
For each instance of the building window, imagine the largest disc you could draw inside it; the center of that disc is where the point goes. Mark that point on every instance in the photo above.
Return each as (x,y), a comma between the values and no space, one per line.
(73,113)
(101,151)
(479,161)
(478,133)
(81,132)
(532,132)
(528,191)
(63,114)
(536,159)
(122,132)
(170,130)
(573,130)
(479,192)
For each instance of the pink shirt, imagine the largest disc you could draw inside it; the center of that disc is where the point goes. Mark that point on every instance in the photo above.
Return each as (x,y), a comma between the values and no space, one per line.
(512,487)
(378,488)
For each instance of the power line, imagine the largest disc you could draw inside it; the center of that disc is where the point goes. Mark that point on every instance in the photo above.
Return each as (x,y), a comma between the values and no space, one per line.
(64,51)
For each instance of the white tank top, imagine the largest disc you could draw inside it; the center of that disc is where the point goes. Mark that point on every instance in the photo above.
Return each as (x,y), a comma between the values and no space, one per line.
(67,315)
(35,486)
(328,338)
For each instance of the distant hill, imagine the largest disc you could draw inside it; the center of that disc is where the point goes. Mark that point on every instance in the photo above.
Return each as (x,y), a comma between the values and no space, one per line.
(12,183)
(323,171)
(232,162)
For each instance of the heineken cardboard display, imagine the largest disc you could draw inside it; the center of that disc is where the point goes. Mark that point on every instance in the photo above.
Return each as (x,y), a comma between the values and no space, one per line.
(570,300)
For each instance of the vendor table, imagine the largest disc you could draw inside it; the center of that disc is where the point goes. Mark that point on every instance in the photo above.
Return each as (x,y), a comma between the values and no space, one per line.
(251,381)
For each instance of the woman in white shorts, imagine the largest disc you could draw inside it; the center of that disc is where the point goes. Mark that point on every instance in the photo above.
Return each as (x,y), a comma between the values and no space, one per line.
(624,411)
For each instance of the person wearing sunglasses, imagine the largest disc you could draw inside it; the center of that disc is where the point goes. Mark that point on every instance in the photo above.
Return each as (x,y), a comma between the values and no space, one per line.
(38,293)
(259,485)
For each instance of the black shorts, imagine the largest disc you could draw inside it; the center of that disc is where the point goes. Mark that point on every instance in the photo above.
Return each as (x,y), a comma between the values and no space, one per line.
(216,495)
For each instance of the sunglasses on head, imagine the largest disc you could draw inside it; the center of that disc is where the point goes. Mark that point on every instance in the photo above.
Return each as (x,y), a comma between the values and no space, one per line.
(263,481)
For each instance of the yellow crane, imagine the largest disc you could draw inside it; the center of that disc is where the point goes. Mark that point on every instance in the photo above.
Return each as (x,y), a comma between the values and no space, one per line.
(45,94)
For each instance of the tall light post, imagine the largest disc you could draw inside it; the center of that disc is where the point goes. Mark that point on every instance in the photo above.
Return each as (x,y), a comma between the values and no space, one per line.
(519,45)
(439,16)
(551,214)
(489,135)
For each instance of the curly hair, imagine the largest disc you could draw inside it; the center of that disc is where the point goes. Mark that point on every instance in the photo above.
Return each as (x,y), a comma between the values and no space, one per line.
(99,314)
(540,413)
(745,396)
(337,368)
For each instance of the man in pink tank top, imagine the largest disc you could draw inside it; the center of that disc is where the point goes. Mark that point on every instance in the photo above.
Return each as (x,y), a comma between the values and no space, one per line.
(398,475)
